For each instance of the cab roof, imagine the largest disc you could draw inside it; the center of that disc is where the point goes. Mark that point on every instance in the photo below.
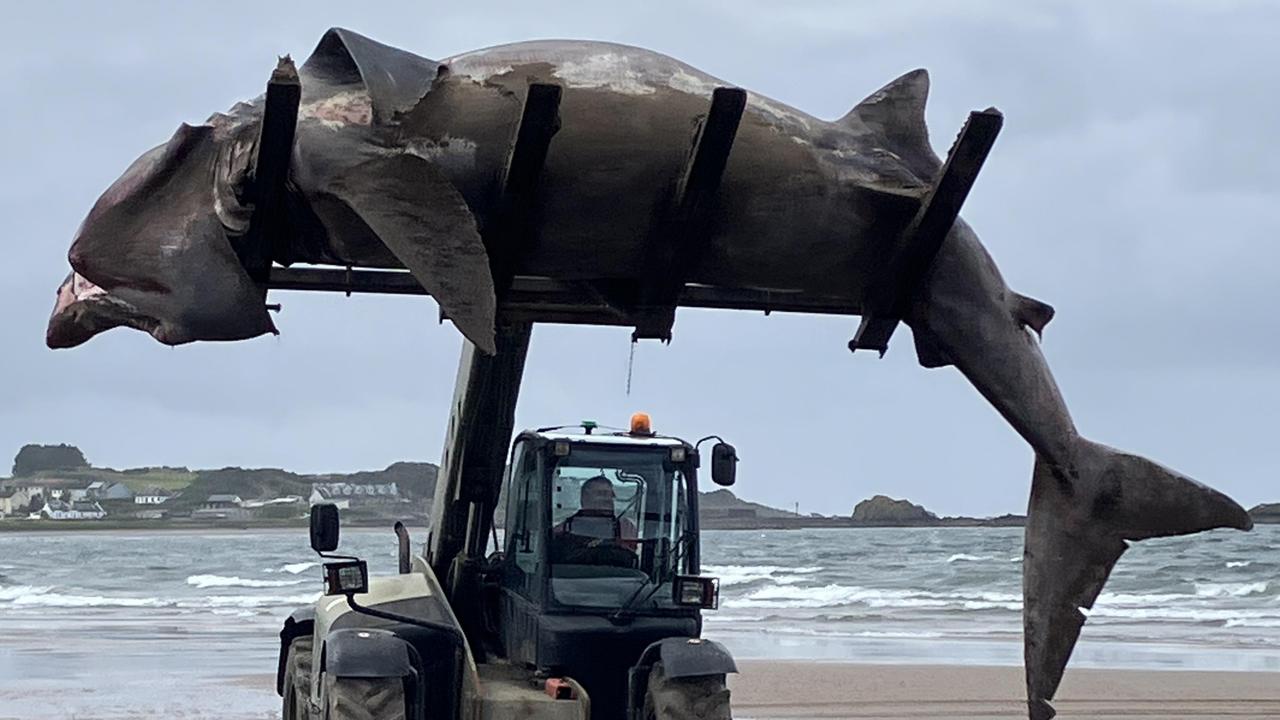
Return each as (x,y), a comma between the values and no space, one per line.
(606,437)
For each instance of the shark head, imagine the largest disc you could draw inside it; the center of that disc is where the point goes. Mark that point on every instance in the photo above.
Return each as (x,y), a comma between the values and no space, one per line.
(161,249)
(155,252)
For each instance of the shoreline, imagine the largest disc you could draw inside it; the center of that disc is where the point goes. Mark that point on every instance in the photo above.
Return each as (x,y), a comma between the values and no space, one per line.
(53,526)
(35,527)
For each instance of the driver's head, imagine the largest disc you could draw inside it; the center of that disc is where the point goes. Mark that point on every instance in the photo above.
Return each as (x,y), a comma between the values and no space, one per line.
(597,494)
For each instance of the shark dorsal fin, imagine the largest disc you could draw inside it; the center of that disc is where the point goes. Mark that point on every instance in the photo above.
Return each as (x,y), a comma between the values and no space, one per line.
(895,112)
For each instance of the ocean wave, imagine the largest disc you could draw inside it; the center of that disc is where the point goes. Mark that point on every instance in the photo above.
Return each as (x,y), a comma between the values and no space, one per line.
(1231,589)
(898,635)
(1183,614)
(829,596)
(1239,563)
(18,591)
(28,596)
(1141,599)
(966,557)
(62,600)
(248,601)
(294,568)
(214,581)
(1253,623)
(732,575)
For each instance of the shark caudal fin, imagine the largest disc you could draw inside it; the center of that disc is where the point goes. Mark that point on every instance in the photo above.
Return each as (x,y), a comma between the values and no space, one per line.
(1079,523)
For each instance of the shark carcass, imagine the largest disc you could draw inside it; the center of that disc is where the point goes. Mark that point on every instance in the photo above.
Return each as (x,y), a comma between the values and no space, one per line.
(663,186)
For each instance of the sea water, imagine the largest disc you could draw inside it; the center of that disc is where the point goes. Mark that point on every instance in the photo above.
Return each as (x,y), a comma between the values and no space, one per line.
(144,624)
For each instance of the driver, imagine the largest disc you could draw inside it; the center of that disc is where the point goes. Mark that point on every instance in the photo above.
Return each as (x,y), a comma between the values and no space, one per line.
(595,516)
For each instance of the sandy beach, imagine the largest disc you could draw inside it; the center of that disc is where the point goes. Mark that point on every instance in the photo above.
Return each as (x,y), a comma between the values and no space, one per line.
(770,689)
(765,690)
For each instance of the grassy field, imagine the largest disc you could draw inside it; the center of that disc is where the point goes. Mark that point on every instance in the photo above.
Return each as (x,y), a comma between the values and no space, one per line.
(135,480)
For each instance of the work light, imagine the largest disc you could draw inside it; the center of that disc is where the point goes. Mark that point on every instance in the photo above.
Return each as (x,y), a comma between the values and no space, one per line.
(346,578)
(696,591)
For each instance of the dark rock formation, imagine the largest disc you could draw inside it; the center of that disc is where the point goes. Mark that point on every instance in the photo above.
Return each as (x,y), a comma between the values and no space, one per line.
(1266,513)
(882,509)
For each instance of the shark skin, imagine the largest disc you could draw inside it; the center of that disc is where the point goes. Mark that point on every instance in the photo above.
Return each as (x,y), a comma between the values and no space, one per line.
(394,166)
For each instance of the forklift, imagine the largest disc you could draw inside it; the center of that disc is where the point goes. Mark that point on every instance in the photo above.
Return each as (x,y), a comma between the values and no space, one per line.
(589,607)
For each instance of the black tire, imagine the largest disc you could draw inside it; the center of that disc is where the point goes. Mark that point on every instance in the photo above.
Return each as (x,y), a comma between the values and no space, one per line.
(350,698)
(704,697)
(297,681)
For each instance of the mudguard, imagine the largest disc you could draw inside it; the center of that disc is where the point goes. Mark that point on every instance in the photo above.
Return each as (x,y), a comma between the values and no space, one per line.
(299,623)
(681,657)
(366,653)
(687,657)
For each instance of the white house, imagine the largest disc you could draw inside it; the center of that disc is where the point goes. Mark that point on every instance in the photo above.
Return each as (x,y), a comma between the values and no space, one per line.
(12,500)
(221,507)
(222,502)
(59,510)
(344,495)
(152,496)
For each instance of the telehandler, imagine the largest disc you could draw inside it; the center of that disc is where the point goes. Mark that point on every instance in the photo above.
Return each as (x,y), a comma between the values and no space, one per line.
(589,607)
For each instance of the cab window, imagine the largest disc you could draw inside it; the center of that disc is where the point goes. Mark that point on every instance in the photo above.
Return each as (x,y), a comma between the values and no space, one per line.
(618,519)
(525,510)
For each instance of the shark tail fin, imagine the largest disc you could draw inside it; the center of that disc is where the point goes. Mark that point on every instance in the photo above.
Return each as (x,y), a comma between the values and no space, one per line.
(895,112)
(1079,523)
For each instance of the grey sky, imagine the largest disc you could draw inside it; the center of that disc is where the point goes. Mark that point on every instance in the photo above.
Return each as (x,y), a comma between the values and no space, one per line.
(1134,188)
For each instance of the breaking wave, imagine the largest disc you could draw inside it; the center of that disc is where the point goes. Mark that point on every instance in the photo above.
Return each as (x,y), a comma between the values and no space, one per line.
(733,575)
(1231,589)
(28,596)
(295,568)
(215,581)
(966,557)
(830,596)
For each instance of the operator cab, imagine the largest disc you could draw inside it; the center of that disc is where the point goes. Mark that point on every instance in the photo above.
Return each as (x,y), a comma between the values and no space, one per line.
(601,551)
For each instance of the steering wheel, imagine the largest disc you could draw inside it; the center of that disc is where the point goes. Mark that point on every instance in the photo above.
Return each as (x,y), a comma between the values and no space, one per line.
(597,551)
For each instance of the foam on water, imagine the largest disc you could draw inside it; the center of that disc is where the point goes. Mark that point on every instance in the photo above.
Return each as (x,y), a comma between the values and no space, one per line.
(966,557)
(1231,589)
(213,581)
(294,568)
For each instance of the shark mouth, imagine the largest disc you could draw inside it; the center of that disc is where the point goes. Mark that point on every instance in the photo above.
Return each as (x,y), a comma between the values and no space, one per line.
(83,309)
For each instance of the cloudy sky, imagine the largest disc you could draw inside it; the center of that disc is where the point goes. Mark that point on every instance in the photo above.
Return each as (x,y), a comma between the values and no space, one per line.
(1134,187)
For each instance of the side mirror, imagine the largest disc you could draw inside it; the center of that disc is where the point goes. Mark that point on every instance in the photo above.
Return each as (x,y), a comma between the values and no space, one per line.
(324,528)
(724,464)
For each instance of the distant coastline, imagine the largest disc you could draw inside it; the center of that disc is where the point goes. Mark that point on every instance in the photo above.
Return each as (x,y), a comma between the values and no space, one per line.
(55,489)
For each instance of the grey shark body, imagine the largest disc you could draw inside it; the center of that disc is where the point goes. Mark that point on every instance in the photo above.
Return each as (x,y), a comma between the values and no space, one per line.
(396,165)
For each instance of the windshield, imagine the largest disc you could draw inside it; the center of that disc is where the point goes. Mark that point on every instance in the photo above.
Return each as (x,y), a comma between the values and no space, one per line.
(618,516)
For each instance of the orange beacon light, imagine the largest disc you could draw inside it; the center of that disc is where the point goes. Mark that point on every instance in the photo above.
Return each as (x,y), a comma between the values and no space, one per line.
(640,424)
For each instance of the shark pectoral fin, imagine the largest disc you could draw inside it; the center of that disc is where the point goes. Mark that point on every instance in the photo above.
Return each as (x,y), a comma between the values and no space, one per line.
(1032,313)
(425,222)
(1079,523)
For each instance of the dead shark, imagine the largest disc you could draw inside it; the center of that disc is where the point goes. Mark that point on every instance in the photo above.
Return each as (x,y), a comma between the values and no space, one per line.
(394,165)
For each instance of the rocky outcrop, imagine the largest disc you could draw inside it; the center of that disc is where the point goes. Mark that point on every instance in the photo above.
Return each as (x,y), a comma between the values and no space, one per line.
(886,510)
(1266,513)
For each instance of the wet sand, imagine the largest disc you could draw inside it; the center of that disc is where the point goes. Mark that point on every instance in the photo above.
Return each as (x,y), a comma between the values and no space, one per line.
(765,690)
(771,689)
